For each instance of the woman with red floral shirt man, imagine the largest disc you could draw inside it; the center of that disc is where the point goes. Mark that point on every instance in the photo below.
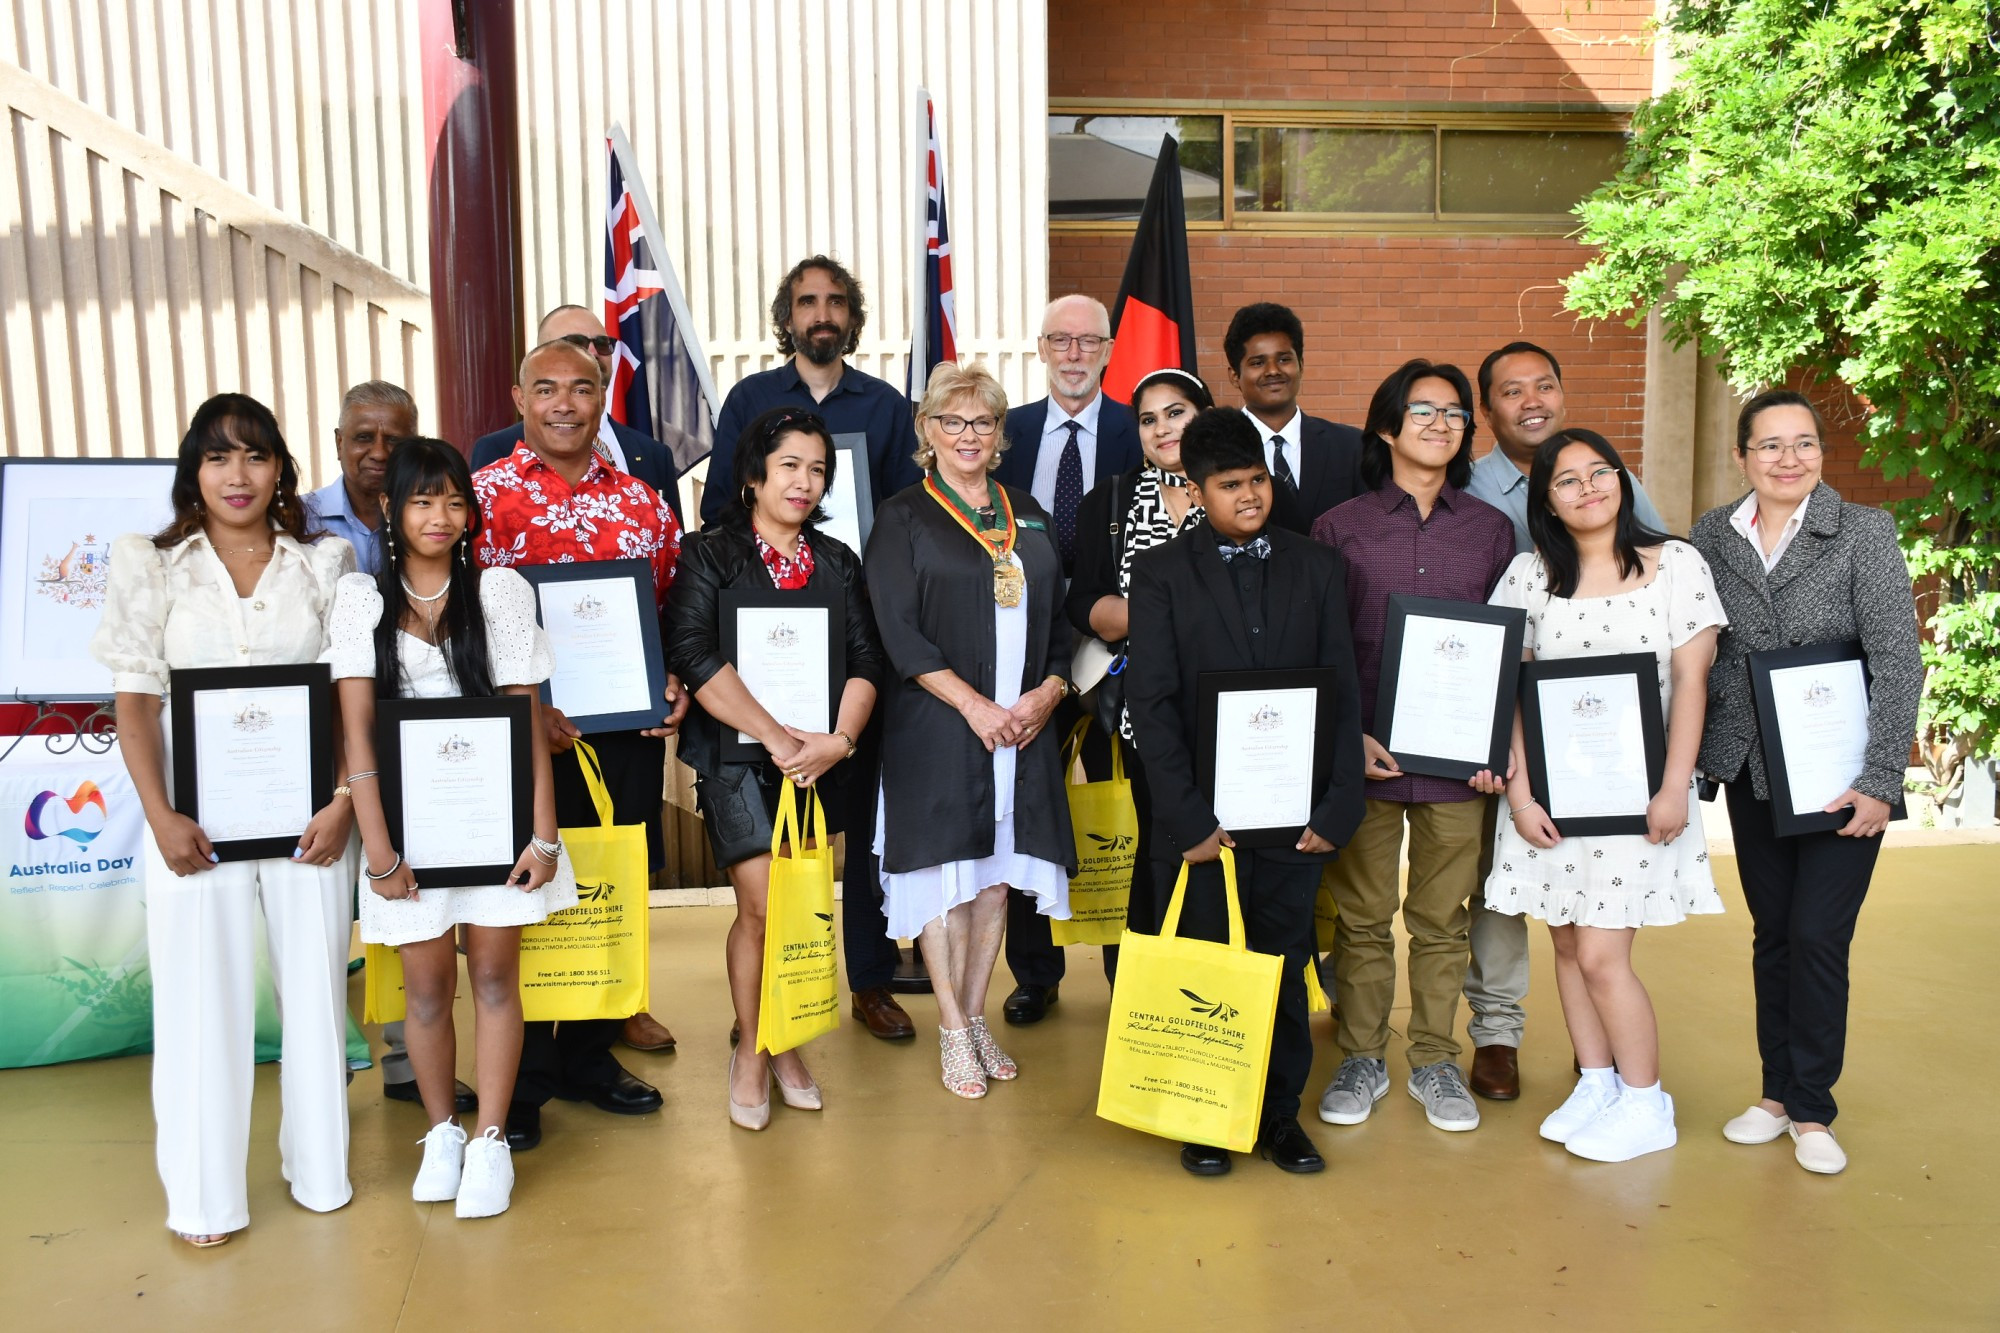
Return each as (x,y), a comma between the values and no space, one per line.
(767,538)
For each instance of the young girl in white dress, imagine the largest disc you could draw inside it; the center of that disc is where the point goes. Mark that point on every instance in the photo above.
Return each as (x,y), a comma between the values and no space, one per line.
(431,625)
(1597,583)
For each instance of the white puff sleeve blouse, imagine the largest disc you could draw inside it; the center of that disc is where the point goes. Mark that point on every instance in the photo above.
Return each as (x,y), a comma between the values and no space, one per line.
(517,649)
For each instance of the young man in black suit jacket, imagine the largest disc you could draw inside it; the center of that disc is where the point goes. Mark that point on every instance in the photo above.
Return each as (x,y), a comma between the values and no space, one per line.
(1240,593)
(1315,464)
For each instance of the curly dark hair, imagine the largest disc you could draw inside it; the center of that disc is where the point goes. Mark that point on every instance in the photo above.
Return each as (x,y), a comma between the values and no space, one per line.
(781,304)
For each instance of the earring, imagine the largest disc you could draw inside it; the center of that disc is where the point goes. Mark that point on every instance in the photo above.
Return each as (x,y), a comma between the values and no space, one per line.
(749,497)
(389,539)
(464,547)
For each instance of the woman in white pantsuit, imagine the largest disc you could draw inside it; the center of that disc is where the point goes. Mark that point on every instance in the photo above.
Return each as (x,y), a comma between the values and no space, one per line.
(232,582)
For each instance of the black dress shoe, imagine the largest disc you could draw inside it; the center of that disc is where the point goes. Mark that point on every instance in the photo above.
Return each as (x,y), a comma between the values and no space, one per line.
(463,1099)
(911,977)
(1285,1144)
(620,1094)
(524,1126)
(1028,1004)
(1202,1160)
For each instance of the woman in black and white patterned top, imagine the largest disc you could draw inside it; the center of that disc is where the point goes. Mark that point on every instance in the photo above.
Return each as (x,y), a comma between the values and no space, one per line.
(1132,512)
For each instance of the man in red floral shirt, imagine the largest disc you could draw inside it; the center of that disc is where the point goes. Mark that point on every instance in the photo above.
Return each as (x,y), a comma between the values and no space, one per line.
(552,501)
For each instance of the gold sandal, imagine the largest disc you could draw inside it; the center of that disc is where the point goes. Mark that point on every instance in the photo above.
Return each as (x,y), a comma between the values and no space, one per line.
(962,1074)
(205,1242)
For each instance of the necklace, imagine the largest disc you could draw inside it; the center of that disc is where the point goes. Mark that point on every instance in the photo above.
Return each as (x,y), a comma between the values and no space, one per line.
(416,596)
(427,606)
(1009,583)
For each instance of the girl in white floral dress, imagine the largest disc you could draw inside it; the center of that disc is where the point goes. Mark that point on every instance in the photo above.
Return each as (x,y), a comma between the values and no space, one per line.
(1600,583)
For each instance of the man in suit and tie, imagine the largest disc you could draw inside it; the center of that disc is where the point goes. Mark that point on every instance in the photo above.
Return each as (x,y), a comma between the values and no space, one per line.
(630,451)
(1058,448)
(1315,464)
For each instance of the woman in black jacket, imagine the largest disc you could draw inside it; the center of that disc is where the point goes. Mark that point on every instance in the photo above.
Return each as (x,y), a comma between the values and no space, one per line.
(766,539)
(1126,514)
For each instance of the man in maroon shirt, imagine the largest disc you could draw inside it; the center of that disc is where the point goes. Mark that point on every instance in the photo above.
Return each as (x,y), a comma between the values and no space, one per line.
(1413,531)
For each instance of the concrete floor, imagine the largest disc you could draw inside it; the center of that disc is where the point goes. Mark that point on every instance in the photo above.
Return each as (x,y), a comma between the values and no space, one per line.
(903,1207)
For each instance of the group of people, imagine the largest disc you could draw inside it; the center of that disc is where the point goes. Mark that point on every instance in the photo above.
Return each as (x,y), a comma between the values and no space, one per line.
(1188,538)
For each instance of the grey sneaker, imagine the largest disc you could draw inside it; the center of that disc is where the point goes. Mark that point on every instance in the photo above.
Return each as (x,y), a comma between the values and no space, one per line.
(1441,1088)
(1356,1087)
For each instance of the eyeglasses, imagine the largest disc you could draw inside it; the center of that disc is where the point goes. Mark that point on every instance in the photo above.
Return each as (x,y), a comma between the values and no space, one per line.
(1600,479)
(1770,451)
(1423,414)
(1091,343)
(602,344)
(952,425)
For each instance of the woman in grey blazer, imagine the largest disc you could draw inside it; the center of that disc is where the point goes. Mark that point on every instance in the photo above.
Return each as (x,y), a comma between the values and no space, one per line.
(1794,564)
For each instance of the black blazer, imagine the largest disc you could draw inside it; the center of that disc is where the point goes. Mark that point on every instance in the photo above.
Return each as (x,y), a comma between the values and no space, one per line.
(1330,462)
(726,557)
(932,586)
(1117,445)
(645,458)
(1187,619)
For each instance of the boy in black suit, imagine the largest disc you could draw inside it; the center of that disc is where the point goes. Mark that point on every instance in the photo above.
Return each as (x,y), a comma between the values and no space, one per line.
(1239,593)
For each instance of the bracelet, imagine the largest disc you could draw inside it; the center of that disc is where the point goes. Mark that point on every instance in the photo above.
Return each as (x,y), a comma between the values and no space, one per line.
(1513,811)
(353,778)
(849,740)
(548,850)
(385,874)
(546,858)
(1062,685)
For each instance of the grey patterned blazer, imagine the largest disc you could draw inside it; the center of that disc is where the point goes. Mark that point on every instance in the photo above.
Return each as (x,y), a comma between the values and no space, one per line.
(1843,577)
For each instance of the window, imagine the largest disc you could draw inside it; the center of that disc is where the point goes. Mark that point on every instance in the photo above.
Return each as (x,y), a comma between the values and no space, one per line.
(1101,165)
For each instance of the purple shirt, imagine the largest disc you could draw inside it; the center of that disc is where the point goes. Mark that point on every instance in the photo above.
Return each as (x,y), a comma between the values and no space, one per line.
(1458,554)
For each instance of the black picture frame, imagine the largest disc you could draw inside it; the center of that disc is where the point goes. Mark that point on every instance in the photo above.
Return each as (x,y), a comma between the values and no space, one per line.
(850,449)
(1211,685)
(1783,822)
(185,685)
(639,574)
(731,600)
(391,714)
(1644,668)
(1513,622)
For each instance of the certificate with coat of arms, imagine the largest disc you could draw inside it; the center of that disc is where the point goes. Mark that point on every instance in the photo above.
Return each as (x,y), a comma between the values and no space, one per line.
(790,648)
(1445,705)
(458,785)
(1595,740)
(252,754)
(1812,715)
(604,629)
(1264,749)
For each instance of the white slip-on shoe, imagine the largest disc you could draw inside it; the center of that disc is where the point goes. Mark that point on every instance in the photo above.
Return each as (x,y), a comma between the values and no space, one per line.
(444,1163)
(1585,1104)
(488,1186)
(1630,1127)
(1817,1151)
(1756,1125)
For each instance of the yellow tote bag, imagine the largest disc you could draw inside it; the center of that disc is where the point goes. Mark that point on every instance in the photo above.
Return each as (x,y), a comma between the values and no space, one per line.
(595,959)
(1190,1037)
(1106,828)
(801,995)
(381,983)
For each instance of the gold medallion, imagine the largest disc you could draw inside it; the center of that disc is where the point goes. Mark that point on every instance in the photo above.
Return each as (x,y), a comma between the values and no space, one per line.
(1008,582)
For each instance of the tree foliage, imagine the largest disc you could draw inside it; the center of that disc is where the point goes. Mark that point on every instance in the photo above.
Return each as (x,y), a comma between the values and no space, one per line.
(1820,191)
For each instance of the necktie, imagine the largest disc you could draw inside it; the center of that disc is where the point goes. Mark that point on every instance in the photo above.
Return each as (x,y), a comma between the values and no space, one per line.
(1257,548)
(1279,467)
(1069,493)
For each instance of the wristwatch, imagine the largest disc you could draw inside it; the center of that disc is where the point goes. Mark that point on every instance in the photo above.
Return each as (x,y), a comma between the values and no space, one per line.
(1062,686)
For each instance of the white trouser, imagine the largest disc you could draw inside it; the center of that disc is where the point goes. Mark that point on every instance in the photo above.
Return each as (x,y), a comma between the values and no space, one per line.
(200,931)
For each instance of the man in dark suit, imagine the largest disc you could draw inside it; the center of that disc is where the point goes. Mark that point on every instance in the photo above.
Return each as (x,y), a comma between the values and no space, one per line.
(1314,464)
(630,451)
(1059,448)
(1238,593)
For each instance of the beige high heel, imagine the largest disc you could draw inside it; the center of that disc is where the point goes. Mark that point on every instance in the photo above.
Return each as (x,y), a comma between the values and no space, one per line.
(807,1098)
(749,1117)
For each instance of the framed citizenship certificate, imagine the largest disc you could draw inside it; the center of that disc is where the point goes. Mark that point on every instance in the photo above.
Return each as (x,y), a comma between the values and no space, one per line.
(790,648)
(1264,747)
(1812,710)
(458,785)
(1597,747)
(604,626)
(1449,671)
(850,501)
(253,754)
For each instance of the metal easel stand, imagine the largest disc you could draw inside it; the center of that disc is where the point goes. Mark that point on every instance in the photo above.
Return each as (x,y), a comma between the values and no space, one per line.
(95,733)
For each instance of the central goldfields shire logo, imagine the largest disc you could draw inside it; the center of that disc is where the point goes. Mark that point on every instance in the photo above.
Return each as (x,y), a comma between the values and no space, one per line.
(1112,842)
(43,822)
(1210,1008)
(828,918)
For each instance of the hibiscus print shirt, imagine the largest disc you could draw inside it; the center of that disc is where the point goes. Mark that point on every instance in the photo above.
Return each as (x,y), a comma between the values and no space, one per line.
(531,516)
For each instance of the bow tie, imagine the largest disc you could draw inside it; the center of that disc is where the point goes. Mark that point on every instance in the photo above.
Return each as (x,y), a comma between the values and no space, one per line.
(1258,548)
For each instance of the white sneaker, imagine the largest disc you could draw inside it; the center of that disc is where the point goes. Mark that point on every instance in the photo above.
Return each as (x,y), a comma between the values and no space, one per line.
(1817,1152)
(1756,1125)
(1585,1104)
(444,1162)
(1629,1127)
(488,1186)
(1357,1085)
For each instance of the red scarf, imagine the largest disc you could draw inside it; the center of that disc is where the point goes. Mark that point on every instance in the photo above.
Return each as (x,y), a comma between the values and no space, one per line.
(788,572)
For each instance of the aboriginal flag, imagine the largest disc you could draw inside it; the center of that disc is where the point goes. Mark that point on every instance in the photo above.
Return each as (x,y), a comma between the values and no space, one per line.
(1153,322)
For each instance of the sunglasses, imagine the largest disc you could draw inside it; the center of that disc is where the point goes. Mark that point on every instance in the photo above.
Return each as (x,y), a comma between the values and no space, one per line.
(602,344)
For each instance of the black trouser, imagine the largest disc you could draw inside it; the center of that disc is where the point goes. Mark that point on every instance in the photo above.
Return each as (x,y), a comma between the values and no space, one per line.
(1804,893)
(578,1053)
(1277,899)
(864,925)
(1032,954)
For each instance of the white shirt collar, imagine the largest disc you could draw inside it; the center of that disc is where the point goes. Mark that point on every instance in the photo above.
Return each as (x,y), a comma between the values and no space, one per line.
(1744,519)
(1087,418)
(1291,430)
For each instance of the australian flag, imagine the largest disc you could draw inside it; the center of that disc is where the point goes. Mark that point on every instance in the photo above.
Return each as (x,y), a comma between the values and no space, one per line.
(659,381)
(934,336)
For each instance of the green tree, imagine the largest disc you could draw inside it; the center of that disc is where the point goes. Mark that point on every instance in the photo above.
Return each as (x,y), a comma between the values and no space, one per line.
(1817,193)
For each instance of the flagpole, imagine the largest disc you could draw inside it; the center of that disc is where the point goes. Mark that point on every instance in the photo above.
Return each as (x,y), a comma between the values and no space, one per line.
(919,371)
(670,281)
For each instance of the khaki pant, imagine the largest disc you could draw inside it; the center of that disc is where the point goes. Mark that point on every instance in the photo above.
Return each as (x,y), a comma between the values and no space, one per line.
(1444,871)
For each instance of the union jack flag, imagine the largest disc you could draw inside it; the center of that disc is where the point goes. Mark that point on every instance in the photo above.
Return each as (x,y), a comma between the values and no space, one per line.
(660,382)
(934,325)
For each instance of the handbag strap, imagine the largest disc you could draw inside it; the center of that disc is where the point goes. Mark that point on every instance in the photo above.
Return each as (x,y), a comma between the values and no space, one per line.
(1073,750)
(788,820)
(593,781)
(1172,925)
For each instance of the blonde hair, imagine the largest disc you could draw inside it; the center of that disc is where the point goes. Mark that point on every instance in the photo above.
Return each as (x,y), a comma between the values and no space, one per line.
(949,383)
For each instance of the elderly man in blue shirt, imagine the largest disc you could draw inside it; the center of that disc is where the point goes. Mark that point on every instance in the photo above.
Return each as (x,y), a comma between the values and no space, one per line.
(374,415)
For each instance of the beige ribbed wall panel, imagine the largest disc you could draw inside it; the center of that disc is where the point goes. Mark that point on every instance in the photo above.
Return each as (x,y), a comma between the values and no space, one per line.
(312,107)
(771,129)
(135,283)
